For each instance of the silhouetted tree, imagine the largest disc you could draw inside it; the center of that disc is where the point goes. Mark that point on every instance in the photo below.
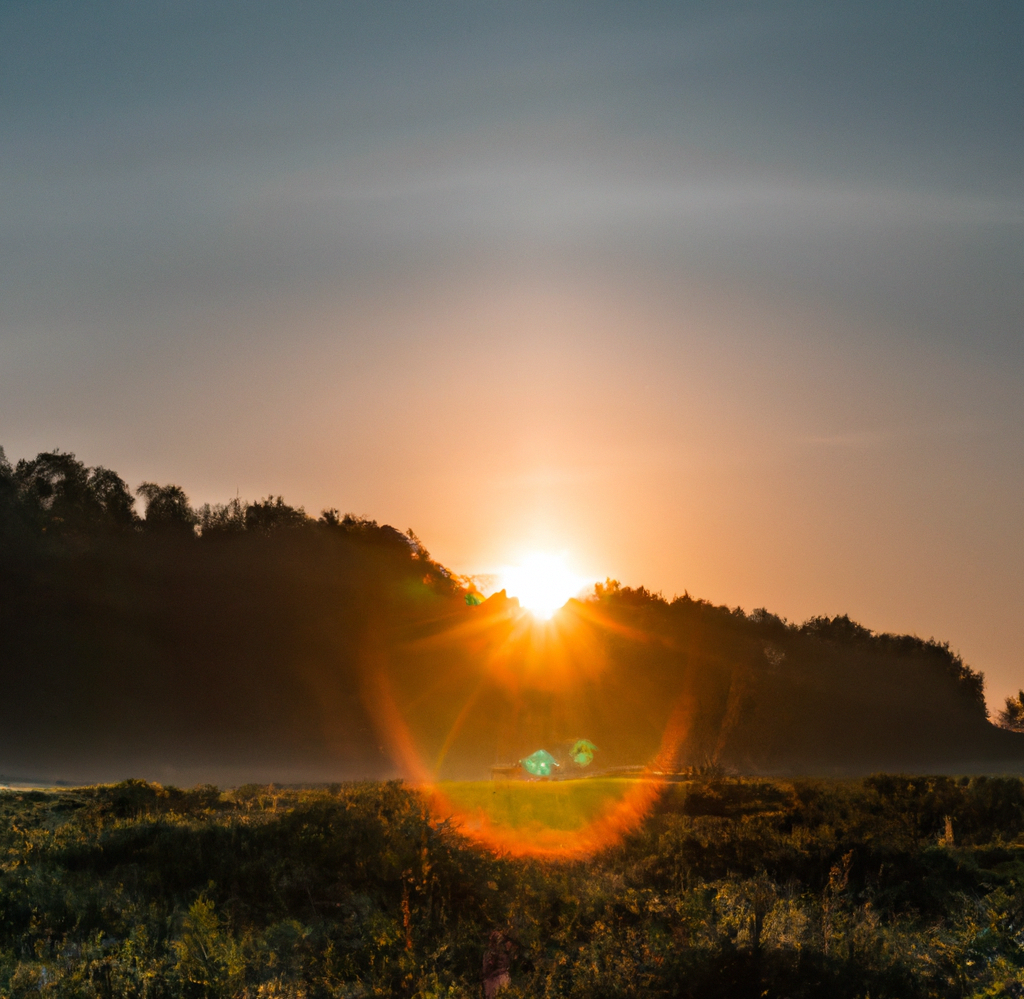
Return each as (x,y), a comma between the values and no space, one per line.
(8,489)
(330,518)
(56,492)
(224,518)
(273,513)
(167,507)
(839,629)
(1012,716)
(114,496)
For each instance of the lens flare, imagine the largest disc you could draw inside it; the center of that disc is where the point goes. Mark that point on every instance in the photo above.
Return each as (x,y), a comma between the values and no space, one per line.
(488,686)
(542,583)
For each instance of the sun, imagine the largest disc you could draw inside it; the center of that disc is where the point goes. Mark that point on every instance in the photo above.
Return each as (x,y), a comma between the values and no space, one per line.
(541,582)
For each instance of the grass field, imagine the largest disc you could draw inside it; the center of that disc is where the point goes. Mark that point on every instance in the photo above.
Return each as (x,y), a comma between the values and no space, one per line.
(893,887)
(565,805)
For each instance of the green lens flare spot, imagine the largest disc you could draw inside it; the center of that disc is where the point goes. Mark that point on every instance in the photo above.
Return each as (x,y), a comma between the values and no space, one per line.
(583,752)
(539,763)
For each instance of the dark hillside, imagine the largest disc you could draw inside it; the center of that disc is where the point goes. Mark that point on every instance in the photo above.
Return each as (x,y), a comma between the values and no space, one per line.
(252,641)
(134,645)
(829,694)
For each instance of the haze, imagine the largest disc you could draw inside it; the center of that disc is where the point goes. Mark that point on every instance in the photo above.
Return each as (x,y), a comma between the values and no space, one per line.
(709,296)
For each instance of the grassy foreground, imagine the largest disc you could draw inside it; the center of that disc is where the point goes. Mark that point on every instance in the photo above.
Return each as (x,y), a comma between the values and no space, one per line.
(565,805)
(888,886)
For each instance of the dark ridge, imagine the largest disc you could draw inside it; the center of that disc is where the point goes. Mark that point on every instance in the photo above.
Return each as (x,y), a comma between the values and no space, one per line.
(246,641)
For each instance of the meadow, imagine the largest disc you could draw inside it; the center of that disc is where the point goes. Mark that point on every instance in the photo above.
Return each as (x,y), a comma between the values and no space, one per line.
(531,806)
(884,886)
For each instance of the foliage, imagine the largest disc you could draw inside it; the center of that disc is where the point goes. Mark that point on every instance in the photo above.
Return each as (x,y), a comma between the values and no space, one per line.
(731,887)
(827,693)
(193,636)
(253,631)
(167,507)
(1012,716)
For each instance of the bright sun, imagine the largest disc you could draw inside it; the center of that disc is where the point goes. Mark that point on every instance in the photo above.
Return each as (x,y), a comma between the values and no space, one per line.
(542,583)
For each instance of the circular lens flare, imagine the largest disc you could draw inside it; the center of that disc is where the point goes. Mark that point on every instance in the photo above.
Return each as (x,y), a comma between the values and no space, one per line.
(542,583)
(491,660)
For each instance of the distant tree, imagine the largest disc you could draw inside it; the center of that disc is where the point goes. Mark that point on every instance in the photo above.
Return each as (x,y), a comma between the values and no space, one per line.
(273,513)
(416,545)
(56,493)
(222,518)
(606,589)
(839,629)
(970,682)
(842,631)
(7,485)
(330,518)
(763,616)
(112,494)
(360,525)
(167,507)
(1012,716)
(9,512)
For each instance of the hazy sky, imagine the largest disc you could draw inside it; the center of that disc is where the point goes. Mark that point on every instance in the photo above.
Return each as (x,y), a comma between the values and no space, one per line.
(726,298)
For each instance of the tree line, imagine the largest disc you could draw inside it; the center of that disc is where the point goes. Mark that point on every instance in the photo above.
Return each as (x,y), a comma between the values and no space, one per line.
(56,493)
(140,635)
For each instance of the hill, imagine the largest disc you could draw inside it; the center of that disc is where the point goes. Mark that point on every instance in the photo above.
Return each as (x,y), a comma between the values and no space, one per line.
(252,641)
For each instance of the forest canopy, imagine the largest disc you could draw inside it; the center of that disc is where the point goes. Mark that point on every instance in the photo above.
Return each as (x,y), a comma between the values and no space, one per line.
(142,635)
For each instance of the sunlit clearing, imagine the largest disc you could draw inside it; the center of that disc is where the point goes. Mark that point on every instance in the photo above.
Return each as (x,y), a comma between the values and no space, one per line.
(542,583)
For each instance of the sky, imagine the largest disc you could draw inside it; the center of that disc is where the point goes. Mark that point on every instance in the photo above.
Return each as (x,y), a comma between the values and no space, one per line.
(718,298)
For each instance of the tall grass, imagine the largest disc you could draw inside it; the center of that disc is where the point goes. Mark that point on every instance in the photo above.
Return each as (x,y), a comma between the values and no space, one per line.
(889,886)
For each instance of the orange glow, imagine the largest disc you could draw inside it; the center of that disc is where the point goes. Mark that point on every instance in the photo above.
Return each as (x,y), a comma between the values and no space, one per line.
(619,819)
(542,681)
(542,583)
